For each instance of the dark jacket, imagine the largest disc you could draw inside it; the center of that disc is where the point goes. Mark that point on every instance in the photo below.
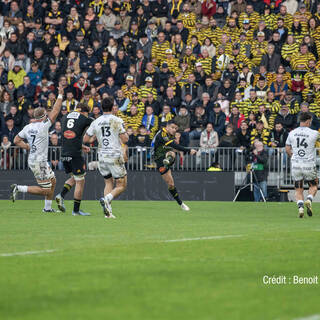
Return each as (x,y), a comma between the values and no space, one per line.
(279,138)
(260,165)
(289,121)
(218,120)
(271,63)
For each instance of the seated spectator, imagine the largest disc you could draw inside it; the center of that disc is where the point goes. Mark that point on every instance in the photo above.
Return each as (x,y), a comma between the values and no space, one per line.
(209,140)
(154,104)
(5,103)
(10,130)
(17,116)
(27,89)
(278,136)
(229,139)
(279,87)
(235,118)
(182,120)
(54,153)
(260,133)
(35,75)
(287,119)
(243,136)
(57,131)
(198,122)
(271,60)
(165,116)
(218,119)
(17,74)
(150,122)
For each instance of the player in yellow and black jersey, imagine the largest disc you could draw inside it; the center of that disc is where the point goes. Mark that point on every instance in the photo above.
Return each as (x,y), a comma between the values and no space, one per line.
(163,145)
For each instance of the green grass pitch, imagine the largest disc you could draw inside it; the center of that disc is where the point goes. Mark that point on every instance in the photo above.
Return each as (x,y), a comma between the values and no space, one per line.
(93,268)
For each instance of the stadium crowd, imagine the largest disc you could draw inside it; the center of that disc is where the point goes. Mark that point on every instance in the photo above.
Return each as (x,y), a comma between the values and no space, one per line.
(227,72)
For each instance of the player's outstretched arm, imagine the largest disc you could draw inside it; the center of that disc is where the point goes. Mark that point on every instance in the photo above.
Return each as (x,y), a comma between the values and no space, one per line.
(89,139)
(20,143)
(57,106)
(178,147)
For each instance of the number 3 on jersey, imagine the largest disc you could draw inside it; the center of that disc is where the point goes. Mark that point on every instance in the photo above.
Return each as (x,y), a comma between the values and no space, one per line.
(105,133)
(302,143)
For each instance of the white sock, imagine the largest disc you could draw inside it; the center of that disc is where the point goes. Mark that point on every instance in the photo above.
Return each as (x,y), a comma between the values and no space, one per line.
(47,204)
(300,203)
(310,197)
(108,197)
(22,189)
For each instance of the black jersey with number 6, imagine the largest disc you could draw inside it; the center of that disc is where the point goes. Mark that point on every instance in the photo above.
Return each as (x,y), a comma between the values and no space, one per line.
(73,127)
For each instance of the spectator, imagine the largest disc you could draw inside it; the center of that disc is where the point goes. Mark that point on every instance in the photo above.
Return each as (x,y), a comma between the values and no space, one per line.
(198,122)
(217,118)
(235,118)
(229,139)
(54,153)
(209,140)
(243,136)
(5,154)
(182,119)
(288,120)
(10,130)
(5,103)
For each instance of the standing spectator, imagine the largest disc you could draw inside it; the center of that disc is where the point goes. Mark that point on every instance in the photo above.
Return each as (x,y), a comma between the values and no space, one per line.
(54,153)
(10,130)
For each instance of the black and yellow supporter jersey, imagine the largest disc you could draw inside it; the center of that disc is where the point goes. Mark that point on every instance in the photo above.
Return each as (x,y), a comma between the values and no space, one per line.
(300,61)
(144,91)
(206,64)
(249,105)
(164,142)
(258,49)
(254,18)
(188,19)
(97,7)
(173,65)
(240,60)
(262,136)
(289,50)
(287,18)
(129,91)
(158,50)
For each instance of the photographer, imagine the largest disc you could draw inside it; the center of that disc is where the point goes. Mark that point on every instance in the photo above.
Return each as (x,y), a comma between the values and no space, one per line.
(259,164)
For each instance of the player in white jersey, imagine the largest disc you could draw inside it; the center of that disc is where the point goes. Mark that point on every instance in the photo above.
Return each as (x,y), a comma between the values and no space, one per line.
(110,132)
(300,146)
(37,136)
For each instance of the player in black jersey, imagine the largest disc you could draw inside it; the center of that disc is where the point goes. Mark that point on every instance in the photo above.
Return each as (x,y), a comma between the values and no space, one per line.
(73,127)
(163,152)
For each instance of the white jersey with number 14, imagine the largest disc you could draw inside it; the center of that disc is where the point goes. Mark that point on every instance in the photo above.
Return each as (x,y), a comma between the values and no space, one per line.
(302,141)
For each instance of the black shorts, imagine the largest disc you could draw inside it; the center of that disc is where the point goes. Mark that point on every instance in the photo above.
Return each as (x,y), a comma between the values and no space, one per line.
(160,166)
(74,165)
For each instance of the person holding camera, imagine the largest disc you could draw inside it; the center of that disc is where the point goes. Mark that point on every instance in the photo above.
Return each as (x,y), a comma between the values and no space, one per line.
(259,165)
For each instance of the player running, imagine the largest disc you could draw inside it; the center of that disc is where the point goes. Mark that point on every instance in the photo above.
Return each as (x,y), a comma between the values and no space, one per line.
(300,146)
(73,127)
(163,145)
(37,136)
(110,132)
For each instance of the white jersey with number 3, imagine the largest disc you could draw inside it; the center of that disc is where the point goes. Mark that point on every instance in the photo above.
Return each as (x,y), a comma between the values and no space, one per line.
(302,141)
(107,129)
(37,135)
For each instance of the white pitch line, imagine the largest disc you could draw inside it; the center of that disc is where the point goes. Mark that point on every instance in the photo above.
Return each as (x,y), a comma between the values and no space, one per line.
(313,317)
(205,238)
(25,253)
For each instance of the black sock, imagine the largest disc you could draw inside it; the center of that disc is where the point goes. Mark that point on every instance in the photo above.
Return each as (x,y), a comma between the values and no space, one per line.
(76,205)
(173,191)
(65,190)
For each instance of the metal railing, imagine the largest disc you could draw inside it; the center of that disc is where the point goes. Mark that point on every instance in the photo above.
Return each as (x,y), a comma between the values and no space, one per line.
(230,159)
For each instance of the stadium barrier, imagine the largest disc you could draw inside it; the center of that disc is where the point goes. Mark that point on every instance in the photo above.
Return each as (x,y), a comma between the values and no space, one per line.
(140,159)
(192,186)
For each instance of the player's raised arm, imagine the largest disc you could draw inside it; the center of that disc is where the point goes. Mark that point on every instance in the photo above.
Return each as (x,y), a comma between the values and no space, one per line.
(57,106)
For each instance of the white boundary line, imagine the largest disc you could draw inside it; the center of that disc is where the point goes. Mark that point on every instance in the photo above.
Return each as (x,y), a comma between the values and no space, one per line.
(25,253)
(313,317)
(204,238)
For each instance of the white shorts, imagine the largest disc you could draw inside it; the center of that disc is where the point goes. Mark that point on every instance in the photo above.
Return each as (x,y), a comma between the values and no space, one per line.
(112,166)
(304,171)
(41,170)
